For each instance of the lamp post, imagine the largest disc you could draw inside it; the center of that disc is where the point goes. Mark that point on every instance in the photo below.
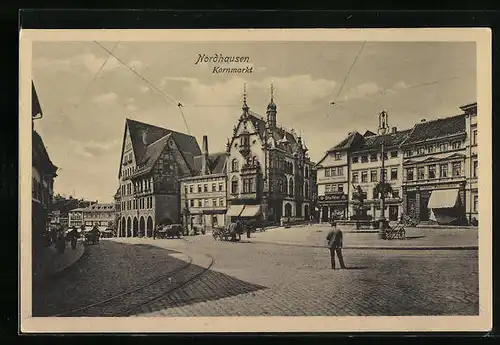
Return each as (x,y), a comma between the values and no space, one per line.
(383,126)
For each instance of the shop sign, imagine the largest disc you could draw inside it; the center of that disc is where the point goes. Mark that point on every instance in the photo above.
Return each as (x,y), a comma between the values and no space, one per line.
(333,197)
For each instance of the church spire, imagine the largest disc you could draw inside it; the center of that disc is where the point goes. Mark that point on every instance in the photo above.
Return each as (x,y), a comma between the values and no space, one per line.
(271,110)
(245,106)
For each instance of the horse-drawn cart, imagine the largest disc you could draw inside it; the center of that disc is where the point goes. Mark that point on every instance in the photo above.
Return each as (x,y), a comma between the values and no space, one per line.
(230,233)
(92,236)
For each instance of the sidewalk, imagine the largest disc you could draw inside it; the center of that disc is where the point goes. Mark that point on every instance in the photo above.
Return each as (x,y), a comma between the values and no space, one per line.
(50,262)
(416,238)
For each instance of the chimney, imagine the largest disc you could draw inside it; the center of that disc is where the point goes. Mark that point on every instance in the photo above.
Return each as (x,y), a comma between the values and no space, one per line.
(394,129)
(204,157)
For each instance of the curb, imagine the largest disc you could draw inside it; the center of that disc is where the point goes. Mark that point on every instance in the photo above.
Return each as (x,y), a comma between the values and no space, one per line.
(376,247)
(59,272)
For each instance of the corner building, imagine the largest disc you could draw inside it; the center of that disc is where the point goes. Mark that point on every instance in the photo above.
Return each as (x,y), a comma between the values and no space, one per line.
(153,161)
(269,170)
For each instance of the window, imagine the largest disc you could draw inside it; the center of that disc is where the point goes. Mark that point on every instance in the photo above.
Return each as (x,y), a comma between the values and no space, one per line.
(364,176)
(355,177)
(432,171)
(340,171)
(395,193)
(200,203)
(327,172)
(234,185)
(443,147)
(199,188)
(443,170)
(185,189)
(474,171)
(394,173)
(476,205)
(394,154)
(328,188)
(290,187)
(190,188)
(214,187)
(430,149)
(221,187)
(373,176)
(474,137)
(420,150)
(355,159)
(457,168)
(234,165)
(373,157)
(306,189)
(191,202)
(246,185)
(383,174)
(456,145)
(338,155)
(214,202)
(408,153)
(385,156)
(340,188)
(420,173)
(307,173)
(205,188)
(364,159)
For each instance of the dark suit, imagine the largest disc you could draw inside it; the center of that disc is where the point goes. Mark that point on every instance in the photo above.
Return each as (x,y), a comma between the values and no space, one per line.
(334,239)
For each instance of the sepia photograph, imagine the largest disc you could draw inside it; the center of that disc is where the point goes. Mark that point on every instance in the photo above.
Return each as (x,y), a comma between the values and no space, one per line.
(263,180)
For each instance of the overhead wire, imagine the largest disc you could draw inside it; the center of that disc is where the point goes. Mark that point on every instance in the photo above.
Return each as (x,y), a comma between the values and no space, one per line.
(178,104)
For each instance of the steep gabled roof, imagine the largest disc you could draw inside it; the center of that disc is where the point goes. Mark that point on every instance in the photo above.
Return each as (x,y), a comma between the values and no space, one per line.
(347,143)
(35,103)
(40,156)
(216,163)
(374,142)
(435,129)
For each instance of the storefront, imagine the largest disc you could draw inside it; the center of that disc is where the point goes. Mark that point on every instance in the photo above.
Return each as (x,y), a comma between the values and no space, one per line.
(332,206)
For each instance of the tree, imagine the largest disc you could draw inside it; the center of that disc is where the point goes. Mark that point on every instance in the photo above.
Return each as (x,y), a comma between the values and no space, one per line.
(382,189)
(359,196)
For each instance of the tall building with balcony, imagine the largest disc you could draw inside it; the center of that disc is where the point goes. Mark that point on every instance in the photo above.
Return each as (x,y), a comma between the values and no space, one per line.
(153,160)
(269,170)
(42,183)
(435,165)
(471,187)
(204,195)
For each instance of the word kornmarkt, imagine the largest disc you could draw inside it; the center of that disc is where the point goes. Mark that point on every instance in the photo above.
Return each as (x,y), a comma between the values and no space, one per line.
(219,58)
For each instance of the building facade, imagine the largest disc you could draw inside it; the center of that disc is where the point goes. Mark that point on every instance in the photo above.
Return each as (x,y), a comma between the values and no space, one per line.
(432,169)
(153,161)
(269,170)
(100,215)
(204,195)
(42,183)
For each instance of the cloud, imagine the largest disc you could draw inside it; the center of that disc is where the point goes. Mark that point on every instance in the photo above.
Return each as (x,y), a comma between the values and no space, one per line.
(362,90)
(131,107)
(105,98)
(90,61)
(92,148)
(144,88)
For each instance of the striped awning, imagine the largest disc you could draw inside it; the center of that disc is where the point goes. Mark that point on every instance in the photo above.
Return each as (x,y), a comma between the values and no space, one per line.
(250,211)
(443,198)
(235,210)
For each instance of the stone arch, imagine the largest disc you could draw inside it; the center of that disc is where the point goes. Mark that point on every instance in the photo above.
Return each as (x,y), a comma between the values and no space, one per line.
(149,226)
(135,227)
(142,226)
(122,227)
(129,227)
(288,210)
(307,215)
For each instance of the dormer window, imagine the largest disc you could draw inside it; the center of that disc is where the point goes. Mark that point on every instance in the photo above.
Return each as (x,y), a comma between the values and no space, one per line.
(234,165)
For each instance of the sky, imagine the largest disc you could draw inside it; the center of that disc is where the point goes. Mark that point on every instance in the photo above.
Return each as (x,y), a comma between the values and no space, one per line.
(85,105)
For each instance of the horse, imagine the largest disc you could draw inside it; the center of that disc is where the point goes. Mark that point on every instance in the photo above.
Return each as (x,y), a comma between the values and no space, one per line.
(234,229)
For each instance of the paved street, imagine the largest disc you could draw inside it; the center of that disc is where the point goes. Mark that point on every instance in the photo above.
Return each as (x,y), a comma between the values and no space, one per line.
(249,279)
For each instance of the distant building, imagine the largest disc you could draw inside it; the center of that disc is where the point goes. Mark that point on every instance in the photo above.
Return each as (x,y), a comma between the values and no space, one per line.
(153,160)
(472,172)
(42,184)
(102,215)
(269,170)
(204,195)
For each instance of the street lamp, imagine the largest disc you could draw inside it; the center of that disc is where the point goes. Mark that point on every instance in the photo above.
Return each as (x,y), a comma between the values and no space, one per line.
(383,127)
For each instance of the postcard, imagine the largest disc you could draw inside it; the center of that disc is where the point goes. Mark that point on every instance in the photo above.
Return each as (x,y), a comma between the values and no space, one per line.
(318,180)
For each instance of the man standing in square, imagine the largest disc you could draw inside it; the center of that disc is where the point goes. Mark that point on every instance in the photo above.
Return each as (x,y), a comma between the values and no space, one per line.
(334,239)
